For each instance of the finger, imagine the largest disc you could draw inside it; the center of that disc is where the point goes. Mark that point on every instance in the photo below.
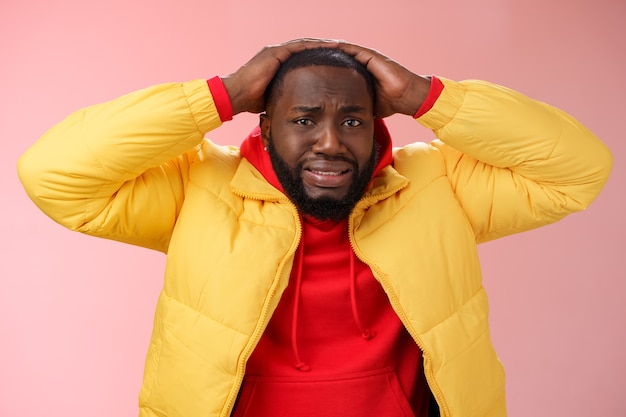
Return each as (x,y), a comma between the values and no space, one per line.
(284,50)
(360,53)
(311,41)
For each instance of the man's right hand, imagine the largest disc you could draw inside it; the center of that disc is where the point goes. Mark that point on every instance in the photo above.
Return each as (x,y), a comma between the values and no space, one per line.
(246,87)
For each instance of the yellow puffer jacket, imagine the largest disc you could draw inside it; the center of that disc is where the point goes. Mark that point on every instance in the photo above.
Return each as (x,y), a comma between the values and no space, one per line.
(137,170)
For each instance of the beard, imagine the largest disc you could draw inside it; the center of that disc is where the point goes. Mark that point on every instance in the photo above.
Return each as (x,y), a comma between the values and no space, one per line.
(322,208)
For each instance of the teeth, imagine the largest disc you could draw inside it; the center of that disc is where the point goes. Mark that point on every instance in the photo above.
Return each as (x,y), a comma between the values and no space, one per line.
(328,173)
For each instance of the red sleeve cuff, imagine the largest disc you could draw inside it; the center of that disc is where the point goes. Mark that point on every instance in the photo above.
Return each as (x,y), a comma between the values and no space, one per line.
(436,87)
(221,98)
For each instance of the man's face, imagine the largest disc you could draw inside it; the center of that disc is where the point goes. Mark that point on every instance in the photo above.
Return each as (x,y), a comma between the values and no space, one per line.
(320,134)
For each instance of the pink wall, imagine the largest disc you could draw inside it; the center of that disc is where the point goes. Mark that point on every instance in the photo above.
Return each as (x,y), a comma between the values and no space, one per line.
(76,312)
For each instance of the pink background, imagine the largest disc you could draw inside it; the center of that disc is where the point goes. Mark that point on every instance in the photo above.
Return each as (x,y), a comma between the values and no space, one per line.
(76,312)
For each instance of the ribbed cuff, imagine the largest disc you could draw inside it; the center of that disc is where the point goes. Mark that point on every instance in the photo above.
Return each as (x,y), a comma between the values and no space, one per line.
(221,98)
(436,87)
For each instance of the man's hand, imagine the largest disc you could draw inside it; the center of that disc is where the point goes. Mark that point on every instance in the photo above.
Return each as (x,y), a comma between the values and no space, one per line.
(398,90)
(246,87)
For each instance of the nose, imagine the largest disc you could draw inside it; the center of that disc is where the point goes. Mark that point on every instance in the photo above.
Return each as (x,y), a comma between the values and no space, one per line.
(329,142)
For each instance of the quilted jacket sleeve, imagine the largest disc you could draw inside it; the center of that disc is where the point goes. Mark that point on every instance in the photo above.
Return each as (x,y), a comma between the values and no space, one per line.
(513,162)
(118,169)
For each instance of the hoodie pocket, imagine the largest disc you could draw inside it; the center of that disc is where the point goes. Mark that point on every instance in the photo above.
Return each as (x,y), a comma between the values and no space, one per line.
(372,393)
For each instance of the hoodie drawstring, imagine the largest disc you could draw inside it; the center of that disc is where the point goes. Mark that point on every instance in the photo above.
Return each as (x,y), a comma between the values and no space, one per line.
(366,333)
(300,364)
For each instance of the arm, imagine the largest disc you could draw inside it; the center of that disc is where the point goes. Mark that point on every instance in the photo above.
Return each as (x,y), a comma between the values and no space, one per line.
(514,163)
(119,169)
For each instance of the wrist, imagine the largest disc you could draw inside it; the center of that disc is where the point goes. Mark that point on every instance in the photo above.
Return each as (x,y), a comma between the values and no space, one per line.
(234,94)
(415,95)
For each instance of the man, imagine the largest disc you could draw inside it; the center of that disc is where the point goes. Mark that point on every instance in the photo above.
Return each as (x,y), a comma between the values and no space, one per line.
(315,270)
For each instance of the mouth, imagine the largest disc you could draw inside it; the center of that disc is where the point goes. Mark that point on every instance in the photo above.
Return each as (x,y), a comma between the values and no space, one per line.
(327,174)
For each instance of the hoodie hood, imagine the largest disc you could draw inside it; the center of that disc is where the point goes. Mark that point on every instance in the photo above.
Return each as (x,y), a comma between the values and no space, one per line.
(253,150)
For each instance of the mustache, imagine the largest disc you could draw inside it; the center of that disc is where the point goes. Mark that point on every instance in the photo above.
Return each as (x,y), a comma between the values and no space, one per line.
(322,157)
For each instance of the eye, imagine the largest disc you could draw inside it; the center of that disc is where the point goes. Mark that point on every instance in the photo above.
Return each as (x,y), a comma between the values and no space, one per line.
(352,123)
(303,122)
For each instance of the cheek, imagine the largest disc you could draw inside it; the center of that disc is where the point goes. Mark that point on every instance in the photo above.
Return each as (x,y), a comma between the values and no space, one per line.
(292,144)
(289,150)
(363,153)
(366,154)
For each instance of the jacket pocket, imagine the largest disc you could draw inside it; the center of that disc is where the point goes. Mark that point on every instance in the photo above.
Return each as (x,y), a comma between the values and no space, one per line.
(372,393)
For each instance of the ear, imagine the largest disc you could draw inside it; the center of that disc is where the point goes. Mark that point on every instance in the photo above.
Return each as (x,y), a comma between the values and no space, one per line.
(264,124)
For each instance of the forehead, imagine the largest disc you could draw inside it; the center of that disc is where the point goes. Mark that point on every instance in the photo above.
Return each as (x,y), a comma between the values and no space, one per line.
(312,84)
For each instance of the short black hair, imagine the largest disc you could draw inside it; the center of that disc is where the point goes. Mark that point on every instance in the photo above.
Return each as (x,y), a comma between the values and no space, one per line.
(329,57)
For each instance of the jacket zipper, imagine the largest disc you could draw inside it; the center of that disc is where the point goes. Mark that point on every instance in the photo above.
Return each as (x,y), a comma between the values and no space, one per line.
(395,304)
(263,319)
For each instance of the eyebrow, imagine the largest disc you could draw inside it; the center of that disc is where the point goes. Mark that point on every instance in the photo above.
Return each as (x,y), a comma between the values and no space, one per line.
(306,109)
(351,108)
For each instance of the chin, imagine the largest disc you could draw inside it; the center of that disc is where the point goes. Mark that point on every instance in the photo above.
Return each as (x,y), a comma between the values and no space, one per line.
(325,194)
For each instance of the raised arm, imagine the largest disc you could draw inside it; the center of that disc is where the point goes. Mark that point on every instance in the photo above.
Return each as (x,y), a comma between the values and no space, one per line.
(513,162)
(119,169)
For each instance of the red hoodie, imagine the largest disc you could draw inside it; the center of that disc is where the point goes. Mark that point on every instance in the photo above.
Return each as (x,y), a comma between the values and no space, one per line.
(334,346)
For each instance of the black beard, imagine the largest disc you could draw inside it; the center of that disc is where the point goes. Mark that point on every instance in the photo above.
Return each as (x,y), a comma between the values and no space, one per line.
(321,208)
